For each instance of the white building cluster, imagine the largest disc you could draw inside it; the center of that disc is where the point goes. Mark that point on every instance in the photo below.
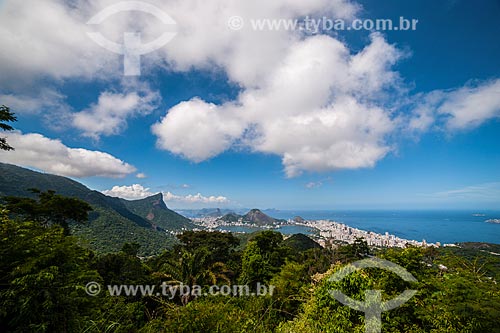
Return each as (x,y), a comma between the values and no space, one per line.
(325,231)
(333,231)
(214,223)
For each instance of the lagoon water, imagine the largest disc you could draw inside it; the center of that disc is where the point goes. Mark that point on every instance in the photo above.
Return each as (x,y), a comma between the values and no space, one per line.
(433,226)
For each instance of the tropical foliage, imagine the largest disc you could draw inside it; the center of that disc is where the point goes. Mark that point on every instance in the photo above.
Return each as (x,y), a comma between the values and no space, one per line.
(6,116)
(112,221)
(44,271)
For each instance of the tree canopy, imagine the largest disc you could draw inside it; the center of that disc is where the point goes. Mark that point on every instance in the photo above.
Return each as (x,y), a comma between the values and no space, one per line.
(44,271)
(6,116)
(49,208)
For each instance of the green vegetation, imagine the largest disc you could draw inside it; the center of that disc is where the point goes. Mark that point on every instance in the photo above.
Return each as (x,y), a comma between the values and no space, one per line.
(49,208)
(108,232)
(6,116)
(300,242)
(112,221)
(44,272)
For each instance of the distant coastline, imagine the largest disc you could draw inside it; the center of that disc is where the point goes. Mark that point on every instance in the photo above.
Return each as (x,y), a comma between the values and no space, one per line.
(322,231)
(444,226)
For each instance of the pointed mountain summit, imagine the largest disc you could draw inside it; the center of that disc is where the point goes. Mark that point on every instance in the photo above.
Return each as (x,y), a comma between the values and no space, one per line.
(113,221)
(256,216)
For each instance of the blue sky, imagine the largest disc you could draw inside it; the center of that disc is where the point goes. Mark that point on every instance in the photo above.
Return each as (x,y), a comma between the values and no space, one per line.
(268,119)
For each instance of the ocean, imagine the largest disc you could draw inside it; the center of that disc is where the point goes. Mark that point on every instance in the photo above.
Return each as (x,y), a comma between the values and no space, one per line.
(433,226)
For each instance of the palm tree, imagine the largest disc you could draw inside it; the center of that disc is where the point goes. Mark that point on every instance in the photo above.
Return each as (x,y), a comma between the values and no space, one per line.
(191,269)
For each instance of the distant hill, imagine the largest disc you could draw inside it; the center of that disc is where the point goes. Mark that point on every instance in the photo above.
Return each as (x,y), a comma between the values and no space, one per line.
(113,222)
(254,216)
(258,217)
(298,219)
(230,217)
(477,246)
(484,255)
(300,242)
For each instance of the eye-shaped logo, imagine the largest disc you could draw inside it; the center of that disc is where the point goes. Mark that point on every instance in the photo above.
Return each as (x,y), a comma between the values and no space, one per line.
(132,47)
(373,306)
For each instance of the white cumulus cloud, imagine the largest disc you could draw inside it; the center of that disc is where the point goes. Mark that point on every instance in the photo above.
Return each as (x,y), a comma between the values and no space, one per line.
(470,106)
(197,130)
(132,192)
(309,99)
(52,156)
(204,38)
(137,191)
(463,108)
(194,198)
(47,103)
(48,38)
(110,114)
(47,99)
(314,127)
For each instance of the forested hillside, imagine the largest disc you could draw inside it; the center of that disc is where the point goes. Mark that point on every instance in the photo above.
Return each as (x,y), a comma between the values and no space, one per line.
(45,277)
(112,221)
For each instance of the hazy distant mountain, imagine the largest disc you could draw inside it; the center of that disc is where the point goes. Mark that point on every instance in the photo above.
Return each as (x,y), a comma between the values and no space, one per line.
(204,212)
(216,212)
(298,219)
(113,222)
(230,217)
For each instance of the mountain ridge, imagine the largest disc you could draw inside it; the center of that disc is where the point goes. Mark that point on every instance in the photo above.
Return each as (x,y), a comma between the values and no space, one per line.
(254,216)
(156,212)
(113,221)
